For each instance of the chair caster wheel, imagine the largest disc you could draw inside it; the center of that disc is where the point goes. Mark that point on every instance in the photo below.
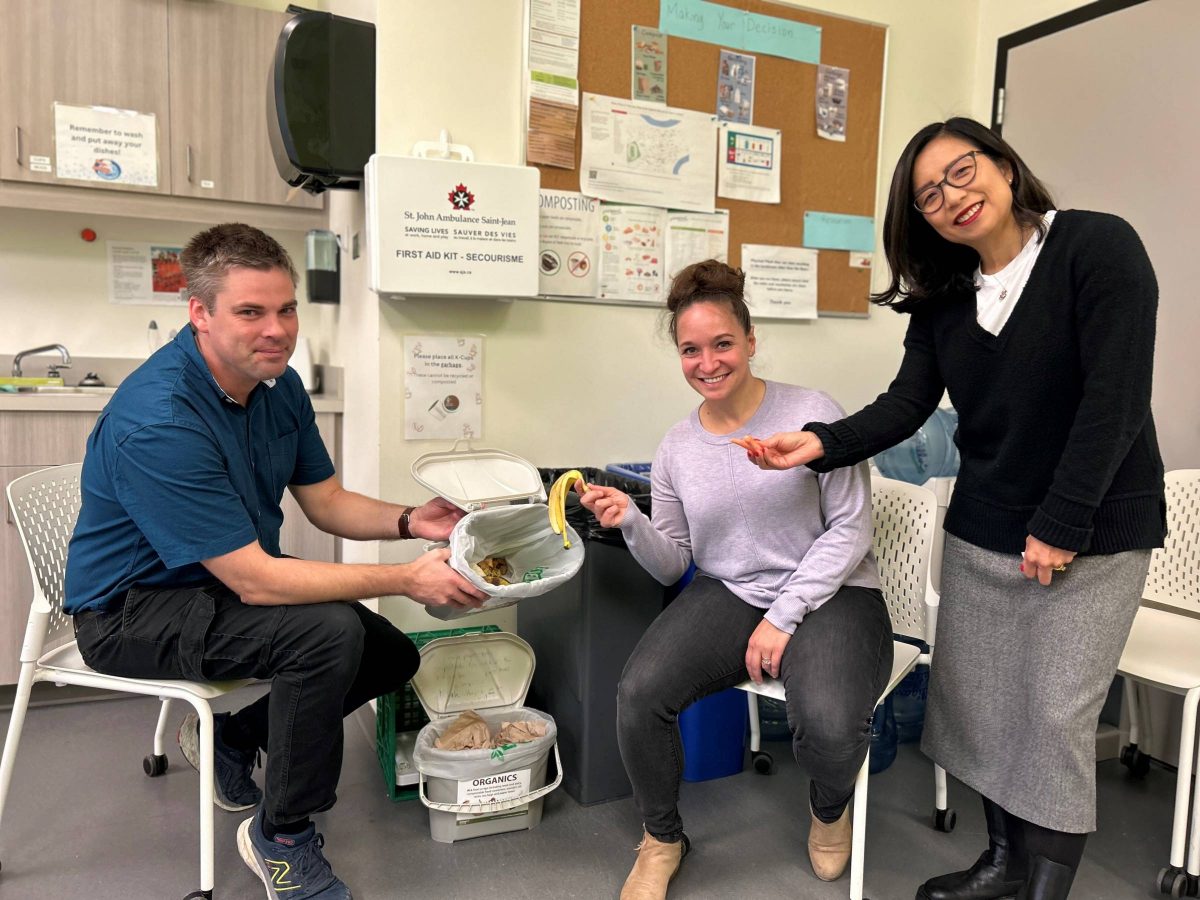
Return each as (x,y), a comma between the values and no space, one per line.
(154,765)
(944,820)
(763,763)
(1193,886)
(199,895)
(1133,759)
(1172,881)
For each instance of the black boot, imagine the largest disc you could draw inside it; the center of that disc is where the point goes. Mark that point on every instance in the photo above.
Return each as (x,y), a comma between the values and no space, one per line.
(1047,880)
(989,878)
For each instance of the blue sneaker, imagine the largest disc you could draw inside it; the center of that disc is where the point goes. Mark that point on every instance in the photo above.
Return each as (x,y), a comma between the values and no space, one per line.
(291,866)
(233,770)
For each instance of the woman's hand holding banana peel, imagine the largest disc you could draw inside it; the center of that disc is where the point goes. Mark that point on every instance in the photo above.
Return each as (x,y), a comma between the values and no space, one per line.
(607,504)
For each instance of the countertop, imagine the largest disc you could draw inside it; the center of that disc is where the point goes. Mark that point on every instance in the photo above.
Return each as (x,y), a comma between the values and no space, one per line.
(35,402)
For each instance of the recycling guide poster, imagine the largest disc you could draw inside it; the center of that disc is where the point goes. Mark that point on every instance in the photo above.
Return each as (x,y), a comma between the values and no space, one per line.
(568,244)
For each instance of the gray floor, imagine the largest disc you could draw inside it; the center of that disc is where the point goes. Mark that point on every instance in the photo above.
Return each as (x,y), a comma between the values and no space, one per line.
(84,821)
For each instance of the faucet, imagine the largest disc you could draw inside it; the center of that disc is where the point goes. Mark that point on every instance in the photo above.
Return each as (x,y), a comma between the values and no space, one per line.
(65,364)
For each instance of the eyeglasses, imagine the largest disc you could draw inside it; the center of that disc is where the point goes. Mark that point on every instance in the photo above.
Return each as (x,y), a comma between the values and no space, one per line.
(959,174)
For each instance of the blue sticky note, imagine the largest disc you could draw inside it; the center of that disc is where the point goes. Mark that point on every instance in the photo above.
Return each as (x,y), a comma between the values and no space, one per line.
(699,20)
(838,231)
(782,37)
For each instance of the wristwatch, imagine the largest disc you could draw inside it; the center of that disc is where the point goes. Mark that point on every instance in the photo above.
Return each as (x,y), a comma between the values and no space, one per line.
(404,522)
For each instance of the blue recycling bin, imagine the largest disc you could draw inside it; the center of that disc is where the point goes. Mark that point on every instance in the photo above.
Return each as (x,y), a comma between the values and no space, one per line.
(714,732)
(908,699)
(883,737)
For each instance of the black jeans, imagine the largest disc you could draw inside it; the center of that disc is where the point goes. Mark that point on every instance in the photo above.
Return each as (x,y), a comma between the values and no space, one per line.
(323,660)
(833,671)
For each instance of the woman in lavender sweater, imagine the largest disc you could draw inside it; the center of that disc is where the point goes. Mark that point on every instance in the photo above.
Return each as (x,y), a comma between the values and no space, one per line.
(786,584)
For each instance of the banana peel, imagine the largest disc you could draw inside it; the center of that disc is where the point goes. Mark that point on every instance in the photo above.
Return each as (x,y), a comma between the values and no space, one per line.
(557,502)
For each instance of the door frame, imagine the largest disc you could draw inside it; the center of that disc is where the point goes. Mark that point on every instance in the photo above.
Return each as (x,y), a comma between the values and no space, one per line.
(1040,30)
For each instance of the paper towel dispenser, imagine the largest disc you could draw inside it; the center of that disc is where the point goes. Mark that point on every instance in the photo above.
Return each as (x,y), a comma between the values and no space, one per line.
(321,101)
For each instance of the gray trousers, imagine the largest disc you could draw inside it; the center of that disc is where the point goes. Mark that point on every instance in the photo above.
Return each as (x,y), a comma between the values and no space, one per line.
(833,670)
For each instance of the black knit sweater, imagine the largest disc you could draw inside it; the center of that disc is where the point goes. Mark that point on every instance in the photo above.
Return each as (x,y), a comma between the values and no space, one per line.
(1055,432)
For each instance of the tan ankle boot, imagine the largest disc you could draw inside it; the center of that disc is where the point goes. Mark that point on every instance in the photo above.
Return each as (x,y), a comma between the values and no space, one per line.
(657,862)
(829,846)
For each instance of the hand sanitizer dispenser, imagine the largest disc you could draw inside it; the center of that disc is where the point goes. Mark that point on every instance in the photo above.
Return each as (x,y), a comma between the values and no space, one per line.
(324,267)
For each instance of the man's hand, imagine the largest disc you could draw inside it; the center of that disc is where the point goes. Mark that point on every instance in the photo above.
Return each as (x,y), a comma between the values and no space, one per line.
(1041,560)
(434,583)
(434,520)
(764,653)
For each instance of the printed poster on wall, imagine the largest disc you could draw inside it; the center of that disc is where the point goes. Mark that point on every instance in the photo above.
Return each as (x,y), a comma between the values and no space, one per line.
(695,237)
(569,242)
(631,252)
(781,282)
(148,274)
(443,386)
(649,65)
(553,82)
(735,88)
(101,144)
(646,154)
(749,163)
(833,93)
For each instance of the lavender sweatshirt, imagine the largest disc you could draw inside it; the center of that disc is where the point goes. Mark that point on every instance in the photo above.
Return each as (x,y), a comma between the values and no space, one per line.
(781,541)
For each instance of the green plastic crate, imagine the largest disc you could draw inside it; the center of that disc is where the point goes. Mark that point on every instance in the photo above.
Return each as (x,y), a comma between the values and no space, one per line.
(401,711)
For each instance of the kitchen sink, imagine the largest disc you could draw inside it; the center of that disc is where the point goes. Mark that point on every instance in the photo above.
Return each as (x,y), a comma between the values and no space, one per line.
(65,389)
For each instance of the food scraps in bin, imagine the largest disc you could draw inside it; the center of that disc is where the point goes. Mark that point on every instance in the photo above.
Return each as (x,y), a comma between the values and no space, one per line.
(470,732)
(495,570)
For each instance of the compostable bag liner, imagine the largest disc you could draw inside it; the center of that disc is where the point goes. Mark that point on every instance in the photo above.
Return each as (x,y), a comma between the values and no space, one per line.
(522,535)
(463,765)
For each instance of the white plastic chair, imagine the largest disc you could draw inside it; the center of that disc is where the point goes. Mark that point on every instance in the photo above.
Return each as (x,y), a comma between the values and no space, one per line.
(45,505)
(1163,651)
(904,516)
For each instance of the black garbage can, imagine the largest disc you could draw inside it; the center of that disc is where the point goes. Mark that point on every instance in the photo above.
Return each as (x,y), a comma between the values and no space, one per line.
(582,634)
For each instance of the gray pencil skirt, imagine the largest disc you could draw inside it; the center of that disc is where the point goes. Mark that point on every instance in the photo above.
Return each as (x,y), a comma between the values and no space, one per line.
(1020,672)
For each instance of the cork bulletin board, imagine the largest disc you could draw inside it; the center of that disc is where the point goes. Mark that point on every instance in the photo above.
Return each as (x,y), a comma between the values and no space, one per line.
(816,174)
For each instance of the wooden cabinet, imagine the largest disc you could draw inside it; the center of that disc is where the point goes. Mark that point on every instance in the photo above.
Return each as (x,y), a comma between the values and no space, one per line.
(34,439)
(299,537)
(200,66)
(221,57)
(82,54)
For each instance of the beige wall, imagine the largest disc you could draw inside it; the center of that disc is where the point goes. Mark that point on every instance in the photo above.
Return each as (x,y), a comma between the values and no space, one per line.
(54,288)
(587,384)
(54,285)
(998,18)
(564,383)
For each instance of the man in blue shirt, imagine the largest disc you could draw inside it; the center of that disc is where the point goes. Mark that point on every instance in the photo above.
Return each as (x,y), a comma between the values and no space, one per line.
(175,571)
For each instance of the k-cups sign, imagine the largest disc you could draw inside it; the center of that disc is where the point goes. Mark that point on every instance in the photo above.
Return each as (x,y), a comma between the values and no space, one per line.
(449,227)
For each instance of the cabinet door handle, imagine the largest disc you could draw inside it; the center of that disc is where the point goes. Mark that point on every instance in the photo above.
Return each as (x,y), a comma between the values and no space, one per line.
(17,132)
(189,163)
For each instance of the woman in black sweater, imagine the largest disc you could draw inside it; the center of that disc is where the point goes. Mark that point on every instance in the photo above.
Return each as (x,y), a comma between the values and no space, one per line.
(1040,324)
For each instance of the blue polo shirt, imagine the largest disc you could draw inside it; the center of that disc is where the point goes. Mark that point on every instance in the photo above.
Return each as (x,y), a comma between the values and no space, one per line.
(177,471)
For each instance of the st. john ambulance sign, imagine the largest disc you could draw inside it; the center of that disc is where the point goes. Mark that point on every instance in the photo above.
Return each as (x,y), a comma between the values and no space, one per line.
(452,228)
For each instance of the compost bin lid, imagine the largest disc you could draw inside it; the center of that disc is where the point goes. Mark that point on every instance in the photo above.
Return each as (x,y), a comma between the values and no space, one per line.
(477,479)
(488,671)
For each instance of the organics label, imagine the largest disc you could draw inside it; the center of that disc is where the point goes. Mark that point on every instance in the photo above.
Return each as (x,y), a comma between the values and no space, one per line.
(492,788)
